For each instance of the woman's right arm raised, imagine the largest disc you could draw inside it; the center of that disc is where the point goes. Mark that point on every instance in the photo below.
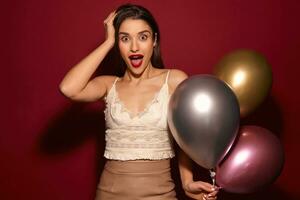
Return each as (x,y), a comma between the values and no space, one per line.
(76,84)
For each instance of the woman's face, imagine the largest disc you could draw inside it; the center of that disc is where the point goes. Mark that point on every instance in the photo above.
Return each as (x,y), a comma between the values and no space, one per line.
(136,44)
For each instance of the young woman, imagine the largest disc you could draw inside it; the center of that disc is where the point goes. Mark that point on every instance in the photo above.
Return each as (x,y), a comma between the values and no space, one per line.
(138,145)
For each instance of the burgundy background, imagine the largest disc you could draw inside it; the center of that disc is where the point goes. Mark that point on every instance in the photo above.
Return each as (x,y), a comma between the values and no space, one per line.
(51,148)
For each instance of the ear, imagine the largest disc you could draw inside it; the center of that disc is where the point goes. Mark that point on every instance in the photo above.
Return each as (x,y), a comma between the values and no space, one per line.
(155,39)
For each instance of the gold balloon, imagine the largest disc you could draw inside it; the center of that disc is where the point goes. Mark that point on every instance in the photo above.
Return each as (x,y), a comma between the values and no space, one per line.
(249,76)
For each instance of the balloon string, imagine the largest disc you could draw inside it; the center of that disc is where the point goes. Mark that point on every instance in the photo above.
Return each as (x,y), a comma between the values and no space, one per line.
(213,176)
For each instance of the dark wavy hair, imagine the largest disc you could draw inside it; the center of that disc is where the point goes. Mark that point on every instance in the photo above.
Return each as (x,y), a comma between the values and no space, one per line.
(138,12)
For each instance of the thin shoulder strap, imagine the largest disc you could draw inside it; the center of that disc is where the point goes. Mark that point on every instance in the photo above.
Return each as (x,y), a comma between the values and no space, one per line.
(167,77)
(115,81)
(112,87)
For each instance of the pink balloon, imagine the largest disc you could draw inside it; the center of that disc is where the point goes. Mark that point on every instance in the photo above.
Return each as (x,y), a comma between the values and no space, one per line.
(254,161)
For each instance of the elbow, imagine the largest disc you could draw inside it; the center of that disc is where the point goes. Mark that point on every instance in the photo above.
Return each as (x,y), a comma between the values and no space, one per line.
(66,91)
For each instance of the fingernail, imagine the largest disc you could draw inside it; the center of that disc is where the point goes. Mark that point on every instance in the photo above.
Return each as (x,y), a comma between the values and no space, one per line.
(217,188)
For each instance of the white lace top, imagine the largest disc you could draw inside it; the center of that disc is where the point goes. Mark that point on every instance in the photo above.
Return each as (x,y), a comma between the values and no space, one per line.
(143,136)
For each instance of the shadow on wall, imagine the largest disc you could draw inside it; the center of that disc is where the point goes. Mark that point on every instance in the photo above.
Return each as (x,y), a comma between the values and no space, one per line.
(70,128)
(78,122)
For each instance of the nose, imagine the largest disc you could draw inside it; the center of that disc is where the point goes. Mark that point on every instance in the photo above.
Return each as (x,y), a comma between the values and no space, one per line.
(134,46)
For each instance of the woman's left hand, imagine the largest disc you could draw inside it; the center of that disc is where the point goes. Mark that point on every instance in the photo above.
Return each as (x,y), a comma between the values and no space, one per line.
(210,196)
(201,190)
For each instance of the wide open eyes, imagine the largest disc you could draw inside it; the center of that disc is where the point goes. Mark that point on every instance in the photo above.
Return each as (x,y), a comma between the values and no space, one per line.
(141,37)
(124,38)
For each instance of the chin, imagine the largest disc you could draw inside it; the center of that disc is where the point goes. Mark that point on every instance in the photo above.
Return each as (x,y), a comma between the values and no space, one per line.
(137,71)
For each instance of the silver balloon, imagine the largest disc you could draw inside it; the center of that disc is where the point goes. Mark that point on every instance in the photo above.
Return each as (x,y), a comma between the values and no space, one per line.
(203,117)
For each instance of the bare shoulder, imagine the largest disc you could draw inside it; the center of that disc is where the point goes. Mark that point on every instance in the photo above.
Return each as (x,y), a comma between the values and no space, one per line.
(178,74)
(176,77)
(107,80)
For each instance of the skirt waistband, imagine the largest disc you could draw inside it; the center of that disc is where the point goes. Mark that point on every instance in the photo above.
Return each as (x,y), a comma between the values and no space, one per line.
(139,166)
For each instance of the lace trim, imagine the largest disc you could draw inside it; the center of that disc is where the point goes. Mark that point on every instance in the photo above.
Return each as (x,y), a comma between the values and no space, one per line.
(140,138)
(139,128)
(138,146)
(140,113)
(138,155)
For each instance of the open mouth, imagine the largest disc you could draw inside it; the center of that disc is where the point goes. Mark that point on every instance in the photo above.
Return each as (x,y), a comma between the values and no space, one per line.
(136,60)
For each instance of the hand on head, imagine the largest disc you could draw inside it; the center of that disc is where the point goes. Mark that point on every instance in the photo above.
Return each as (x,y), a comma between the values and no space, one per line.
(109,27)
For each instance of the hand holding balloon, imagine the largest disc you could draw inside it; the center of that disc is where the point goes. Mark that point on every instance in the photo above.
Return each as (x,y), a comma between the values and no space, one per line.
(201,190)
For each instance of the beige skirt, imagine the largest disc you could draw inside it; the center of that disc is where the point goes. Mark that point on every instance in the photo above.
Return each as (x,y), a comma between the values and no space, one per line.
(136,180)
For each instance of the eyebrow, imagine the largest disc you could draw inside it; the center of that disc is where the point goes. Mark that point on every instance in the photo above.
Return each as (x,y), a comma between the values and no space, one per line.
(124,33)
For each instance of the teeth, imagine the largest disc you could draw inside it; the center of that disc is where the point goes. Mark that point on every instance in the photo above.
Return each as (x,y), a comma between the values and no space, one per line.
(135,57)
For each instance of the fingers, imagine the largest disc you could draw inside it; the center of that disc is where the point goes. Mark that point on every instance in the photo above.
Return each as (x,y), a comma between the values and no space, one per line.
(108,24)
(211,196)
(201,190)
(213,193)
(110,18)
(110,15)
(204,186)
(208,197)
(194,196)
(199,186)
